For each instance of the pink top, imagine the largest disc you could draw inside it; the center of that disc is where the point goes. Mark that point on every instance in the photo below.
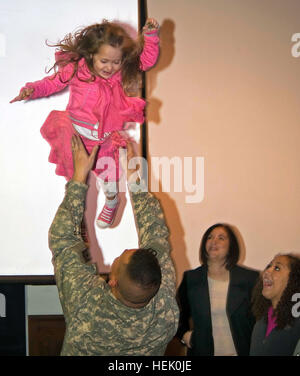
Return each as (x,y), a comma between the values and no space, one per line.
(271,321)
(101,101)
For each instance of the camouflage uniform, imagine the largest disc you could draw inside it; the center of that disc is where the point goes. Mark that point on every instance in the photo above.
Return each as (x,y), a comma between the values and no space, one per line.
(96,322)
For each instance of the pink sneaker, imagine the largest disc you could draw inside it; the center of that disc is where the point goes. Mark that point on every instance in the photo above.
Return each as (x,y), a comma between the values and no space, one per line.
(107,216)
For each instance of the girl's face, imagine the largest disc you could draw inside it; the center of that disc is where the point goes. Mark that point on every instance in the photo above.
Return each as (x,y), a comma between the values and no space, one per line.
(217,244)
(107,61)
(275,279)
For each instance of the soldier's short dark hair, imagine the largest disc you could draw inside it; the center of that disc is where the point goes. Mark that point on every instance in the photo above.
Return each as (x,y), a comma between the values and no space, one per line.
(144,269)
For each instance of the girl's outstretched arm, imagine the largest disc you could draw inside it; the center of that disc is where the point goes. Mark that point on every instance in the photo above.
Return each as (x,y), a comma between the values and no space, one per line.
(150,51)
(47,86)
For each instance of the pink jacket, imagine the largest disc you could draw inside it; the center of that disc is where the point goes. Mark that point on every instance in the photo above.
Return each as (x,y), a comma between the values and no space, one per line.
(102,101)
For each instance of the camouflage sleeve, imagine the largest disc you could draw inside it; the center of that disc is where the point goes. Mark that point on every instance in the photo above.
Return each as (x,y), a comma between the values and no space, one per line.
(153,233)
(73,277)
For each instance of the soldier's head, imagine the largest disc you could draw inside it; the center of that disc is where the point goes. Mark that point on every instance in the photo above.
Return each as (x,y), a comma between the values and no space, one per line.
(135,277)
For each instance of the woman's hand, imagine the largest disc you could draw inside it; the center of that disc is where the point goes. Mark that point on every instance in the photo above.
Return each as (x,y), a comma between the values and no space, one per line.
(25,93)
(187,338)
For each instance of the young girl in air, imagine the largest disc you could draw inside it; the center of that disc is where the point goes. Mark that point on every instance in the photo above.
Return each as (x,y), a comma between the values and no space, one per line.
(101,65)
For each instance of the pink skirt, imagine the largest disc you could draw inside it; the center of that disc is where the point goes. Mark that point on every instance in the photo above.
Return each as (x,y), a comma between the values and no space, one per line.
(58,131)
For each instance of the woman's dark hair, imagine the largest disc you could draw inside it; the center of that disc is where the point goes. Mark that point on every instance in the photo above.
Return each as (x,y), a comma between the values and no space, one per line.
(283,310)
(86,42)
(233,251)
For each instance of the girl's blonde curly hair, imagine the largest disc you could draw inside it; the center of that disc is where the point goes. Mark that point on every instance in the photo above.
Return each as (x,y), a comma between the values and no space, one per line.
(86,42)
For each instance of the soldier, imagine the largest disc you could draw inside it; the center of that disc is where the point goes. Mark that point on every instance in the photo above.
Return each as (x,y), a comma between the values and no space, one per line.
(135,313)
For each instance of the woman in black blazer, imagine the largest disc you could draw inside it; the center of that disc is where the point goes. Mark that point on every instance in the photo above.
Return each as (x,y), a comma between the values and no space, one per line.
(215,298)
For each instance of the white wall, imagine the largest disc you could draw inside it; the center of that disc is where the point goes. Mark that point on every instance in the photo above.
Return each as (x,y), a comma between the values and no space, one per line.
(227,89)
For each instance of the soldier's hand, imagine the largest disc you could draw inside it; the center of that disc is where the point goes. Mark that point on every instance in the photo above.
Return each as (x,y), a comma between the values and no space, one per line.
(82,161)
(126,159)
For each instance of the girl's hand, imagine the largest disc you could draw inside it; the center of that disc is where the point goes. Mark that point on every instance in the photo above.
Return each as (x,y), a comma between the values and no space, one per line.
(151,26)
(25,93)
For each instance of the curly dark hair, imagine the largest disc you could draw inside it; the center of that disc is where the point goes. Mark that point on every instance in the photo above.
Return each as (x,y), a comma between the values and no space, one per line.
(283,310)
(234,249)
(85,42)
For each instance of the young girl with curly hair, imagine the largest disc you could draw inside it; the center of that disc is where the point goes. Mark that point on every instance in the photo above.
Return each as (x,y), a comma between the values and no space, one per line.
(101,65)
(277,329)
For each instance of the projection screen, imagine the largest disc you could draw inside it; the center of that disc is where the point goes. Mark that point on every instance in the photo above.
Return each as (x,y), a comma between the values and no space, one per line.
(30,190)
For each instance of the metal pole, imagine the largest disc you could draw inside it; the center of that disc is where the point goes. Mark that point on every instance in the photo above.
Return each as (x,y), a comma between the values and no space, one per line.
(142,5)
